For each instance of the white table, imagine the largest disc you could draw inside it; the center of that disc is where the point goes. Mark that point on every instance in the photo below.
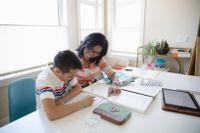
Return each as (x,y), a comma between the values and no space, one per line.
(154,120)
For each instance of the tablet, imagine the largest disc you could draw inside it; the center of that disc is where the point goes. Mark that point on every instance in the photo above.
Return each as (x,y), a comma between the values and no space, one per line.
(179,99)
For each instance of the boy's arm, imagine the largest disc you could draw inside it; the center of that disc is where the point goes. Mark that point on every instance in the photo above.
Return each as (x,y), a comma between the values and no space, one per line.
(75,91)
(54,111)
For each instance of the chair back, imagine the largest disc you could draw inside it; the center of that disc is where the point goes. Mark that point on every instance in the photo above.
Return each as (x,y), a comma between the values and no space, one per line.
(21,95)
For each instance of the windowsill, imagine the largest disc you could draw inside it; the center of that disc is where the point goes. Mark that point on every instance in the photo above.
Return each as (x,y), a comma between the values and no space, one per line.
(124,55)
(5,80)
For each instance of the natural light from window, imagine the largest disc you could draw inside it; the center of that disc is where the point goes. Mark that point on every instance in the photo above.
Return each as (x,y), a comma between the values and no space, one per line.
(126,25)
(91,16)
(29,12)
(31,33)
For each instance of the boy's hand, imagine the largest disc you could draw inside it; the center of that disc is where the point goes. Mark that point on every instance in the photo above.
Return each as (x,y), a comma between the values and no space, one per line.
(114,90)
(88,100)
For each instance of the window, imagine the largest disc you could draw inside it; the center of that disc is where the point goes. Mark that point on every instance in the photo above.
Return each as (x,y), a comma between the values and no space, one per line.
(126,25)
(32,32)
(91,13)
(62,12)
(29,12)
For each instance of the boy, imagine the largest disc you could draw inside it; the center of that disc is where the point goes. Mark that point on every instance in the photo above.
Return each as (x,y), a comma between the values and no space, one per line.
(56,85)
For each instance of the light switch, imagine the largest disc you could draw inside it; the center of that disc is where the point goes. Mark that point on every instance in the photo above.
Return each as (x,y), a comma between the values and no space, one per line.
(182,38)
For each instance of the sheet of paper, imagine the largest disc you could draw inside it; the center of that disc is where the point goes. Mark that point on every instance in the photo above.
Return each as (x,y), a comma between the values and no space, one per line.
(97,89)
(81,96)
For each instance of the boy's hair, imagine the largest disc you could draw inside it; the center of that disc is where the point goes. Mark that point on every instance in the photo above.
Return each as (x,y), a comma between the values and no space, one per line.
(66,60)
(91,41)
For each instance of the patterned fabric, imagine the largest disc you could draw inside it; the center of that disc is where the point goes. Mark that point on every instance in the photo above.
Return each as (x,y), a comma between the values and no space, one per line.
(88,75)
(57,92)
(48,85)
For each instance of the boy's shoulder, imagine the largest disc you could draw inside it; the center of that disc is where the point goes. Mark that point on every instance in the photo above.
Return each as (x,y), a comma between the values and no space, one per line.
(46,78)
(46,72)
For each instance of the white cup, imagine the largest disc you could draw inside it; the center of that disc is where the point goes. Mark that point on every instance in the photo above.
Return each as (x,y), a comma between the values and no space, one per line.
(92,123)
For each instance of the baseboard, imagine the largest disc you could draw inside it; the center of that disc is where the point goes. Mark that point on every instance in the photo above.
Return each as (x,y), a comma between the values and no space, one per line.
(4,121)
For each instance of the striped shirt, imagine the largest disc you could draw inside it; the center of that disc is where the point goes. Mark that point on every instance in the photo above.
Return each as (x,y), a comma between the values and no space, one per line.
(88,75)
(48,85)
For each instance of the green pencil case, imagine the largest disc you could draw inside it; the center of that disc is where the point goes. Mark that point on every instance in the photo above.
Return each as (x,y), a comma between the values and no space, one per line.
(113,113)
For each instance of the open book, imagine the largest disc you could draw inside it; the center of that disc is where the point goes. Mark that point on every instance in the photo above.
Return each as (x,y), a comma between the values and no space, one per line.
(137,99)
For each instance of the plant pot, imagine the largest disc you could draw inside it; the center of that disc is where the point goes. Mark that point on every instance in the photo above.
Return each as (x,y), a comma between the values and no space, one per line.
(162,51)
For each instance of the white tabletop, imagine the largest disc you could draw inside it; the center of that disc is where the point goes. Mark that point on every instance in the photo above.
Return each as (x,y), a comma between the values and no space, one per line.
(154,120)
(180,81)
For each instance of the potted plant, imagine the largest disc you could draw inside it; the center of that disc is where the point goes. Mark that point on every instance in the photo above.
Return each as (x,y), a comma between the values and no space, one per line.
(150,48)
(162,48)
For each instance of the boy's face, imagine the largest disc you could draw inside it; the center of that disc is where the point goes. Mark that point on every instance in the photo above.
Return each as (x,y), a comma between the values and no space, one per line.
(68,75)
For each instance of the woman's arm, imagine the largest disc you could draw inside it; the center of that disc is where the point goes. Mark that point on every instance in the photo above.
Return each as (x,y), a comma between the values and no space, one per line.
(113,77)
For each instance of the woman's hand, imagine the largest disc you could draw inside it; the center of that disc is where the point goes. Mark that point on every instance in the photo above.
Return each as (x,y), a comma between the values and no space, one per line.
(114,90)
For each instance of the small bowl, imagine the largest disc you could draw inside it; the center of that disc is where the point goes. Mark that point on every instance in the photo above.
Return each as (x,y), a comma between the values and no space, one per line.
(162,51)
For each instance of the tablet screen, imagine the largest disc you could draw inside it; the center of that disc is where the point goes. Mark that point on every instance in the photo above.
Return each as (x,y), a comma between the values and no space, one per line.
(178,98)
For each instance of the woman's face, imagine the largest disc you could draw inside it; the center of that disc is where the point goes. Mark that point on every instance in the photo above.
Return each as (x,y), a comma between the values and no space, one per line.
(92,52)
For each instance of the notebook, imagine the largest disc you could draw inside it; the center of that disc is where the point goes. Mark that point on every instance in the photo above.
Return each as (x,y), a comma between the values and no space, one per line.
(180,101)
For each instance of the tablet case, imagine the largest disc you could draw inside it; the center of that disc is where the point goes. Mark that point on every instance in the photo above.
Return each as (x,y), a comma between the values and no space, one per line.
(113,113)
(179,109)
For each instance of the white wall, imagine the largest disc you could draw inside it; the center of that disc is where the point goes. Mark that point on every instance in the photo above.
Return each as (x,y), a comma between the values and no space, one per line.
(168,19)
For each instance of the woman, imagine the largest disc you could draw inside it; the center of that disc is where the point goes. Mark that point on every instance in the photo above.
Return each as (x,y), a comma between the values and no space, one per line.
(91,53)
